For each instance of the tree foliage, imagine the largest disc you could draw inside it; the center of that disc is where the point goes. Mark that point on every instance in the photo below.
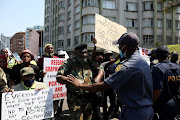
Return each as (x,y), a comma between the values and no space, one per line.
(170,4)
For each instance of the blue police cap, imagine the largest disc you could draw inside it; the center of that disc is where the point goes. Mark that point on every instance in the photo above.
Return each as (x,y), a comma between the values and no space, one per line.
(163,49)
(129,39)
(174,53)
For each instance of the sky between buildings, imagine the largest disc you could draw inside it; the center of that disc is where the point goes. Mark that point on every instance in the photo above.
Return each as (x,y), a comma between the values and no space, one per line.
(16,15)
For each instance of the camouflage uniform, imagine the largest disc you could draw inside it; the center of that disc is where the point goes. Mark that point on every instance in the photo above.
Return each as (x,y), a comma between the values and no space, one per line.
(79,101)
(3,81)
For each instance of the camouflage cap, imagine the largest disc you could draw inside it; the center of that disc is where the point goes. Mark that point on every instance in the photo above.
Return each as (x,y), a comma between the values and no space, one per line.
(27,71)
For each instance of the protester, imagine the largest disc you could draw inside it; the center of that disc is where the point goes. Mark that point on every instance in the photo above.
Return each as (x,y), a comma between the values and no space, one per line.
(153,59)
(61,54)
(166,86)
(109,70)
(26,57)
(3,85)
(133,81)
(174,57)
(3,65)
(49,53)
(28,81)
(79,101)
(10,59)
(3,81)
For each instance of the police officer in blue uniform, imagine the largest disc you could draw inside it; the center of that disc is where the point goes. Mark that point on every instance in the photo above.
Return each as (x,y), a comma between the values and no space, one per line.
(133,81)
(166,77)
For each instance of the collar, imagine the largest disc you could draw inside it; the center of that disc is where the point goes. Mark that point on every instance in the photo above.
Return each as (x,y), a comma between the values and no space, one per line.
(30,88)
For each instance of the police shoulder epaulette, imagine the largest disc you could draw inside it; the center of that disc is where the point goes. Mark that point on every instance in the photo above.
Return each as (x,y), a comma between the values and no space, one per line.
(155,61)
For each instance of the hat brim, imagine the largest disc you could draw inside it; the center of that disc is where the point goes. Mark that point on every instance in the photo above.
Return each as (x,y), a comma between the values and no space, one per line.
(28,74)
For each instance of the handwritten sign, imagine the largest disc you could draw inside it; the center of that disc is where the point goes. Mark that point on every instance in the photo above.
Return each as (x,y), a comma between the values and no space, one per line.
(107,31)
(51,66)
(27,105)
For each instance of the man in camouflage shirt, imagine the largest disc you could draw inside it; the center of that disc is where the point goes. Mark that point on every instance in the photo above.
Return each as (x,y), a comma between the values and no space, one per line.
(79,101)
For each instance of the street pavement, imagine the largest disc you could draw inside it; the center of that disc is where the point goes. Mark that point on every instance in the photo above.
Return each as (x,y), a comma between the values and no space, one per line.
(65,112)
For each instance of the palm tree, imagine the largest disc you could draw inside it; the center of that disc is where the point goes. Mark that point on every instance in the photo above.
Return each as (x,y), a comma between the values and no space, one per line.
(170,4)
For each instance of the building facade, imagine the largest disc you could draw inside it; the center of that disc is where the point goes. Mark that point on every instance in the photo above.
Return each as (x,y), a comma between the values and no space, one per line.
(71,22)
(4,41)
(17,42)
(34,36)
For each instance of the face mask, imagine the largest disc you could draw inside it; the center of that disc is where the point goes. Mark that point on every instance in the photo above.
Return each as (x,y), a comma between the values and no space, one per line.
(28,83)
(122,54)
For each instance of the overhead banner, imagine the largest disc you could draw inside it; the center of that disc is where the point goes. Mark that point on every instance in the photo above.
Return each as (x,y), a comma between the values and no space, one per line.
(107,31)
(27,105)
(51,66)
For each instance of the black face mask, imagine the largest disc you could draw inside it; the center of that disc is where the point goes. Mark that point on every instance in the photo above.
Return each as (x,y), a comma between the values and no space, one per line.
(28,83)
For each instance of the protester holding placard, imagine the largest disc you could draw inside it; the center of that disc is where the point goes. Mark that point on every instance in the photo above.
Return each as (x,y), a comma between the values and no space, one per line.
(49,53)
(26,57)
(28,81)
(133,81)
(79,101)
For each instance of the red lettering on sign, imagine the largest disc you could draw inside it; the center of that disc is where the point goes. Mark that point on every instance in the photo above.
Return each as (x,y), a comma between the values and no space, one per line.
(58,89)
(51,69)
(59,95)
(57,62)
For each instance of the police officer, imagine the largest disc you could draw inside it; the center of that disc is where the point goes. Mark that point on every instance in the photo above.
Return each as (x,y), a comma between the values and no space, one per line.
(79,101)
(153,58)
(166,77)
(133,81)
(174,57)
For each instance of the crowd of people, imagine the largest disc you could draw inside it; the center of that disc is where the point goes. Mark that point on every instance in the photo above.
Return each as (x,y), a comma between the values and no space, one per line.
(134,90)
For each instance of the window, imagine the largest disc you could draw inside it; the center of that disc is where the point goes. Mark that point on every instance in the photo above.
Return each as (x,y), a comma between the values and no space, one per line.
(131,6)
(76,40)
(148,39)
(61,30)
(69,14)
(131,23)
(77,24)
(160,38)
(159,23)
(168,24)
(112,19)
(177,24)
(61,4)
(69,2)
(61,17)
(148,5)
(69,28)
(87,37)
(68,42)
(89,19)
(109,4)
(169,39)
(148,22)
(61,43)
(90,3)
(178,9)
(47,10)
(159,6)
(77,9)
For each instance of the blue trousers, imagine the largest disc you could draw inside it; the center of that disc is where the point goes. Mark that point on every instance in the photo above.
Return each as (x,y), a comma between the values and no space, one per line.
(139,113)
